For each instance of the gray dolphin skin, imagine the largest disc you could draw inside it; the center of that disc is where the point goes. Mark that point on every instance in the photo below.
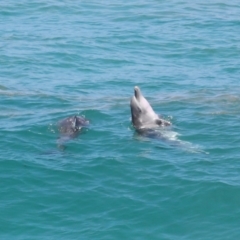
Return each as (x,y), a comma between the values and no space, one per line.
(70,127)
(143,116)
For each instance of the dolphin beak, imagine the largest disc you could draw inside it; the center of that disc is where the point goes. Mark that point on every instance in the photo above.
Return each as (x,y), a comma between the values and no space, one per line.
(137,92)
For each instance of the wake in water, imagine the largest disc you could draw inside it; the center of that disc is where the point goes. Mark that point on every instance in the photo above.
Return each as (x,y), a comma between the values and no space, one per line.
(169,138)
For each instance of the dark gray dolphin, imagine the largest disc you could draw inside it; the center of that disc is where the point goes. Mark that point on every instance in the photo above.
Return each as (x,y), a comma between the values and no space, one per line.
(70,128)
(143,116)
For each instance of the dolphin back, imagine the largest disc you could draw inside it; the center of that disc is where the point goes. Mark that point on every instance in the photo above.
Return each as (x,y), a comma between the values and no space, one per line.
(72,125)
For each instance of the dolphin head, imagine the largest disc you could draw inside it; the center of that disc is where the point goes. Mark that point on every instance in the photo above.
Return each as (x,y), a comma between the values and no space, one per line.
(143,116)
(141,111)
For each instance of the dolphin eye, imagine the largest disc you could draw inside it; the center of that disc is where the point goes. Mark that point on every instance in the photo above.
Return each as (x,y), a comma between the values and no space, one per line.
(159,122)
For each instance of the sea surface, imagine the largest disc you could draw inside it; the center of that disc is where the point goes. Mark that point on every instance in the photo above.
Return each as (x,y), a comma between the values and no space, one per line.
(66,58)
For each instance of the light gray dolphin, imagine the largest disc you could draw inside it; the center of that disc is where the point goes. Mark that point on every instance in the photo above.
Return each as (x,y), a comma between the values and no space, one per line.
(148,124)
(143,116)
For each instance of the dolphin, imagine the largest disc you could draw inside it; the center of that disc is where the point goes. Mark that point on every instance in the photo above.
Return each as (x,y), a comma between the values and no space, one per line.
(70,128)
(148,124)
(143,115)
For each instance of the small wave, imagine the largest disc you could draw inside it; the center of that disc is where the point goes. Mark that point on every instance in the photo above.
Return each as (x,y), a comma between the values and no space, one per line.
(170,138)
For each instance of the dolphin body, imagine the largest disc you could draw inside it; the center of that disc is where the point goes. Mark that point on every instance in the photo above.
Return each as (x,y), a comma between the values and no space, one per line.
(70,128)
(148,124)
(143,117)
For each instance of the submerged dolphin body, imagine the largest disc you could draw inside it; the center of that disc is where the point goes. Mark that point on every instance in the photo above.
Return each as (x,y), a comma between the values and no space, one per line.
(143,116)
(70,128)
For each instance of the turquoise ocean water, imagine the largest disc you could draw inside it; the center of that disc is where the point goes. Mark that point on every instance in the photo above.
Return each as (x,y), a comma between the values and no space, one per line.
(63,58)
